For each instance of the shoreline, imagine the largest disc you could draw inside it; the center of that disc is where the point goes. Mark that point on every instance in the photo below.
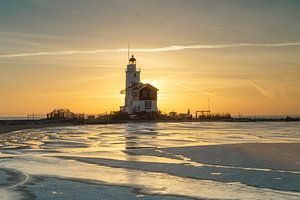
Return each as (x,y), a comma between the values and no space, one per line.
(7,126)
(5,129)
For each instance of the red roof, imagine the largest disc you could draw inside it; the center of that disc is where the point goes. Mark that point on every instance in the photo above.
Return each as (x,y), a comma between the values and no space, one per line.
(139,86)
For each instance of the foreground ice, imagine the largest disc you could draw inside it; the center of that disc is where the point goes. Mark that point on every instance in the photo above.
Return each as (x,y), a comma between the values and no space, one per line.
(153,161)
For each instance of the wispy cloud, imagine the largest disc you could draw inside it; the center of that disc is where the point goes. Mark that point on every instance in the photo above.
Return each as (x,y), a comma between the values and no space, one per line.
(185,86)
(266,93)
(31,36)
(66,82)
(151,50)
(194,90)
(24,42)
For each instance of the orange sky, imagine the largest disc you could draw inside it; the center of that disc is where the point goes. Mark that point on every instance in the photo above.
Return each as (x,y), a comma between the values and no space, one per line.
(257,79)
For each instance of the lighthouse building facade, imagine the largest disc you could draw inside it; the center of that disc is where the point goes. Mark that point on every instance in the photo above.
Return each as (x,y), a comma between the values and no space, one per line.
(139,97)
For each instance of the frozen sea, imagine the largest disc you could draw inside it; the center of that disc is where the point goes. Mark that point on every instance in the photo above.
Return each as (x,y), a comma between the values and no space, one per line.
(171,161)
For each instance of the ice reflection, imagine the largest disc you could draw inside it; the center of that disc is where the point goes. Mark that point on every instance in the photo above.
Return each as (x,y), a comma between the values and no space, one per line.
(93,138)
(141,136)
(133,137)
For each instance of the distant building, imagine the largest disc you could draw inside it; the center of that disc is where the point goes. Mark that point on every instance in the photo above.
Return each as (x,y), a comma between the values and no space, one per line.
(139,97)
(173,115)
(64,114)
(185,116)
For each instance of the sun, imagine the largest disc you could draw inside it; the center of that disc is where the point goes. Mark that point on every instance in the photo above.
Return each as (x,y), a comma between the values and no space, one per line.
(156,83)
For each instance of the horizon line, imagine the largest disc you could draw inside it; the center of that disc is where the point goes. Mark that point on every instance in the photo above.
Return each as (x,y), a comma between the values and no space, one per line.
(150,50)
(243,115)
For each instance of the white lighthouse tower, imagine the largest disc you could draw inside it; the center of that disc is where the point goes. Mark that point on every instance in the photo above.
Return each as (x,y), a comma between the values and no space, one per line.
(132,75)
(132,78)
(139,97)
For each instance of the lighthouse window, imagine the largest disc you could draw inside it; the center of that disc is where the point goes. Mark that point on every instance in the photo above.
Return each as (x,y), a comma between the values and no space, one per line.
(148,104)
(144,93)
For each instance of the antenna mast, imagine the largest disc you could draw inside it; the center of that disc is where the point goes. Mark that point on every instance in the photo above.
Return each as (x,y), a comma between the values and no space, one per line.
(209,104)
(128,52)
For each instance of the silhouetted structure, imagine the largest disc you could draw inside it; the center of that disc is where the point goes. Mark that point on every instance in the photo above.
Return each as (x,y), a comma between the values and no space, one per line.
(185,116)
(64,114)
(204,113)
(35,116)
(139,97)
(172,115)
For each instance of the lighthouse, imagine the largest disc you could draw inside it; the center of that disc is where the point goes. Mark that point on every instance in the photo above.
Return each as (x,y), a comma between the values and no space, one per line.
(139,97)
(132,74)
